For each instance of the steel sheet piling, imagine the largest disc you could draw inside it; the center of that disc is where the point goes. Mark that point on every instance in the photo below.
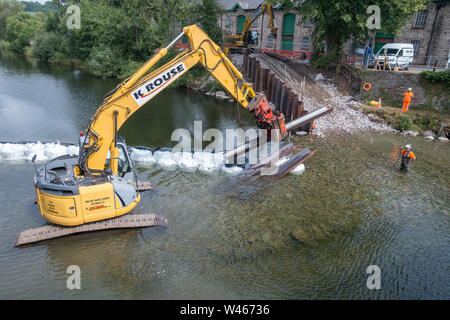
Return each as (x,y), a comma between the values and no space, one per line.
(289,114)
(257,75)
(269,86)
(278,95)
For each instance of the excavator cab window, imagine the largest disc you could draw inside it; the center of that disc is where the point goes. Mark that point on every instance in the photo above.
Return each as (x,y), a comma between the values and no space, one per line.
(124,165)
(252,37)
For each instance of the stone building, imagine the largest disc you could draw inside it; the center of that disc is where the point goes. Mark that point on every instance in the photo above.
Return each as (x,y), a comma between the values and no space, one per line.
(429,32)
(294,38)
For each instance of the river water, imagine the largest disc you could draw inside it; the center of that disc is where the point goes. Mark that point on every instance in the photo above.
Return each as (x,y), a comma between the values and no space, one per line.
(351,208)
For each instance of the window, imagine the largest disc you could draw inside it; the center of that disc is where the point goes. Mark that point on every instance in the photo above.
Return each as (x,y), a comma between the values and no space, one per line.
(305,43)
(421,18)
(390,52)
(228,22)
(307,23)
(416,46)
(270,40)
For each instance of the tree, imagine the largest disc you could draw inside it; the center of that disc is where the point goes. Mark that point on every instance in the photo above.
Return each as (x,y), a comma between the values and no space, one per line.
(8,8)
(207,12)
(21,28)
(337,21)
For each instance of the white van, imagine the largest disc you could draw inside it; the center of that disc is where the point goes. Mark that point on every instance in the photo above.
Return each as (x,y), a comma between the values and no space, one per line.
(397,54)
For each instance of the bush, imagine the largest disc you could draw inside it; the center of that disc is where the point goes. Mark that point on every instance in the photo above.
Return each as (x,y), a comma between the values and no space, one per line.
(45,46)
(437,76)
(404,123)
(128,68)
(103,62)
(321,61)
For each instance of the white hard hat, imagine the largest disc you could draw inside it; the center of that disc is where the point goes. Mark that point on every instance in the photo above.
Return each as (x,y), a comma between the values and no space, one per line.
(408,146)
(409,89)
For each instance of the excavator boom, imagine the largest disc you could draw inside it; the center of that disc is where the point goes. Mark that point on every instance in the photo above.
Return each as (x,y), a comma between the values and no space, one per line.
(142,87)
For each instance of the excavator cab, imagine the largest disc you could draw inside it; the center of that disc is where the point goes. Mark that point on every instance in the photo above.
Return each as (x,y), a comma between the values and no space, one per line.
(252,37)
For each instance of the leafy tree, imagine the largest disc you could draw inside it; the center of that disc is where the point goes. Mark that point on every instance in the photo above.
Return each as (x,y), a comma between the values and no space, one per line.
(8,8)
(45,46)
(103,62)
(21,28)
(115,37)
(207,12)
(34,6)
(337,21)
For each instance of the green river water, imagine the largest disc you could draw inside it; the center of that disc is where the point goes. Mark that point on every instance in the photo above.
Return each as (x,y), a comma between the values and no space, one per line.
(351,208)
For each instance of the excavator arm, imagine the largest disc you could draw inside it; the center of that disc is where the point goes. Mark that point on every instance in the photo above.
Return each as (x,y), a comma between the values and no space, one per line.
(265,7)
(140,88)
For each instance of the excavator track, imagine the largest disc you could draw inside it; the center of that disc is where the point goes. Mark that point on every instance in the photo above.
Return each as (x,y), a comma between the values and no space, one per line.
(123,222)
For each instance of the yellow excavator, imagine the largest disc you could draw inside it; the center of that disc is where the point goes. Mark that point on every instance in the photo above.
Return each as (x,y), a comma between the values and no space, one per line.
(100,182)
(250,37)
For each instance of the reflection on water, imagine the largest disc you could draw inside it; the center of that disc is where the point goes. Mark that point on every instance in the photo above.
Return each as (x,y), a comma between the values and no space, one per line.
(308,236)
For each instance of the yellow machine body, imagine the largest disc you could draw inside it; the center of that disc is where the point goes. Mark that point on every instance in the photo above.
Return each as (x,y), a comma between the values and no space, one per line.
(94,203)
(97,185)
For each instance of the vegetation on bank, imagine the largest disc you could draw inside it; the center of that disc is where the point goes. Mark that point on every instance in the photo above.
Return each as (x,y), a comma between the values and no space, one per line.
(415,120)
(437,77)
(34,6)
(115,38)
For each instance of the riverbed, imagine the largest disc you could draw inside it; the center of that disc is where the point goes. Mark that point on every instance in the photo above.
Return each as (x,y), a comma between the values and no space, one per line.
(309,236)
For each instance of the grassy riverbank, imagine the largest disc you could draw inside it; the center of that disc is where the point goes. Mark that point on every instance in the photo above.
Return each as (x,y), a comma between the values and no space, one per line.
(414,119)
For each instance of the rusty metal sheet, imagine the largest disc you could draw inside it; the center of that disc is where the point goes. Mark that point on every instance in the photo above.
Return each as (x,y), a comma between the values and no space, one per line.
(53,231)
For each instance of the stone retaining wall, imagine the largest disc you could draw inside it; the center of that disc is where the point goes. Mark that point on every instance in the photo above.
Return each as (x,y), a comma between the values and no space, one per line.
(390,86)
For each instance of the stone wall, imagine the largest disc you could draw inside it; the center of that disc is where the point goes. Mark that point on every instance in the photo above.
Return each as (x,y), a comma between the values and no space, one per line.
(228,23)
(390,86)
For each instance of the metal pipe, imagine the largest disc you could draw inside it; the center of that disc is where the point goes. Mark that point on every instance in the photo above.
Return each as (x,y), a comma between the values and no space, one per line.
(438,8)
(309,117)
(175,40)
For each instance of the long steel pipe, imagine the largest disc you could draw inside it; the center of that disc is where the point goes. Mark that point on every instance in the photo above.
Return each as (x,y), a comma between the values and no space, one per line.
(307,118)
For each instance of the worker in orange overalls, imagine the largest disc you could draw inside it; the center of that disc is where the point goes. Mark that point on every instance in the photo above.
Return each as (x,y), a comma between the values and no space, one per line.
(407,96)
(407,157)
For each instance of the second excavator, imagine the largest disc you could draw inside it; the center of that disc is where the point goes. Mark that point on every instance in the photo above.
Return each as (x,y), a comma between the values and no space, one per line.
(100,182)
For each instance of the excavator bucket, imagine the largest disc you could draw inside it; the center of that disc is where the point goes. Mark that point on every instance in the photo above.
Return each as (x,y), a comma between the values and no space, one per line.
(266,118)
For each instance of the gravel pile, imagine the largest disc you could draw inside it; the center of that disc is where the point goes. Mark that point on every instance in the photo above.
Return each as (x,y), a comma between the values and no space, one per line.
(344,117)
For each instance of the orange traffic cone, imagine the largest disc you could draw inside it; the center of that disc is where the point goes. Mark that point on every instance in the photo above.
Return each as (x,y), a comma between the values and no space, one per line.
(379,103)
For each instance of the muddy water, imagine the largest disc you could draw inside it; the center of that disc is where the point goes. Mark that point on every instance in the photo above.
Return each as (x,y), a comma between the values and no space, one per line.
(309,236)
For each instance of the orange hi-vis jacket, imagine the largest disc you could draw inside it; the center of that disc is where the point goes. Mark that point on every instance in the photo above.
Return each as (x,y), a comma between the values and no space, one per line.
(408,154)
(407,96)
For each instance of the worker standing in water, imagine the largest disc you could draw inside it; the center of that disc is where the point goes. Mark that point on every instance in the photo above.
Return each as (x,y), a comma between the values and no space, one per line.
(407,157)
(407,97)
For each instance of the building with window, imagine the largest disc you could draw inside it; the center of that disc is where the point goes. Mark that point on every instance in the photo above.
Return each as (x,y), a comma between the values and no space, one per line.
(428,30)
(293,39)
